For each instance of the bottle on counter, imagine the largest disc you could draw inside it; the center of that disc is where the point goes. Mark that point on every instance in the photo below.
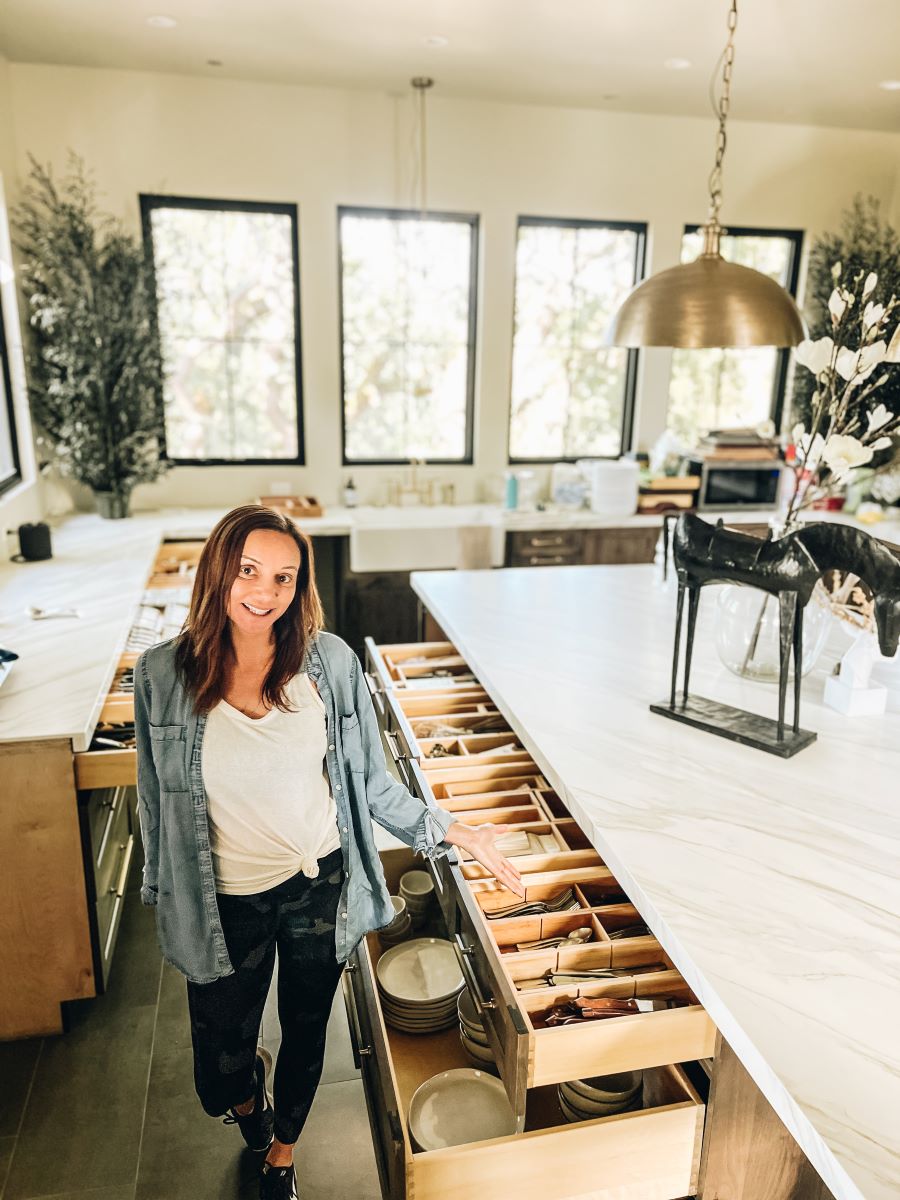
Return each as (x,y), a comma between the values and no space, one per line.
(350,494)
(511,492)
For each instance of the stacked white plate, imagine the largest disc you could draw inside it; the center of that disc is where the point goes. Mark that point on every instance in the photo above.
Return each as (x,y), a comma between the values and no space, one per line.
(472,1036)
(602,1096)
(457,1107)
(399,929)
(417,889)
(418,982)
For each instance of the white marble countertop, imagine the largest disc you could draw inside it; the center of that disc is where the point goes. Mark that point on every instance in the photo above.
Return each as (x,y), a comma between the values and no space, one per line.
(774,885)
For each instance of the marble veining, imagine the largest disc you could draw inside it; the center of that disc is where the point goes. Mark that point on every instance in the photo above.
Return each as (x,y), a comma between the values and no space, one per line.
(774,885)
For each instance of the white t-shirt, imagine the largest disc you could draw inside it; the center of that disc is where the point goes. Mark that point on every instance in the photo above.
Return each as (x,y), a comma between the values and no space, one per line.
(269,803)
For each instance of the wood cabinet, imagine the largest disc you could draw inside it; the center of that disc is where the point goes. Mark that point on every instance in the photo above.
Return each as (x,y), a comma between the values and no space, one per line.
(569,547)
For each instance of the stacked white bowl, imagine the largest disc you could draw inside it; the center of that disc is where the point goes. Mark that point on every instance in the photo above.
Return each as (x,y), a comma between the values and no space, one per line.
(399,929)
(418,982)
(417,889)
(471,1034)
(601,1096)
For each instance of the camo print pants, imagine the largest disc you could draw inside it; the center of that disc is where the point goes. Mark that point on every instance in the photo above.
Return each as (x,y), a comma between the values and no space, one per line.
(296,918)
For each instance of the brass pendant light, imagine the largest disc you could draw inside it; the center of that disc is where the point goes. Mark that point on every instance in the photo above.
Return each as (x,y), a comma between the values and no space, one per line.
(709,302)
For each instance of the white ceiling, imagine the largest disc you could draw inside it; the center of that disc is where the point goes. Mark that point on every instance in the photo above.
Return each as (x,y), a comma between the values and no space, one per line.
(809,61)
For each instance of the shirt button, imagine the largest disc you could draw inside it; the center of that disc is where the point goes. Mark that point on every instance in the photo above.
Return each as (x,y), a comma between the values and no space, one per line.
(344,830)
(337,787)
(331,747)
(344,916)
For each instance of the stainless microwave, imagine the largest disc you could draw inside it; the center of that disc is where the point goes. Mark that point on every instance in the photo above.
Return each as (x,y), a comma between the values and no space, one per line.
(730,484)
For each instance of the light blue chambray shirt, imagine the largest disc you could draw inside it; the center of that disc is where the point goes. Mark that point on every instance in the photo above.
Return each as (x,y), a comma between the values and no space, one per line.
(178,874)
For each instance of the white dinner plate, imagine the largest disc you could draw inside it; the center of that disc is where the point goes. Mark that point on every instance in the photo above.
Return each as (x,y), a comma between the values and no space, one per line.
(459,1106)
(420,971)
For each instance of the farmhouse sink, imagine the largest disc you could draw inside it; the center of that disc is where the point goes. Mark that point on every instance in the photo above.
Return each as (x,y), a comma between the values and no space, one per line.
(426,537)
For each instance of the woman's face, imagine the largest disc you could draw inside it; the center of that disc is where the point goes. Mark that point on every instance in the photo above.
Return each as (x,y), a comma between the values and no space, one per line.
(266,581)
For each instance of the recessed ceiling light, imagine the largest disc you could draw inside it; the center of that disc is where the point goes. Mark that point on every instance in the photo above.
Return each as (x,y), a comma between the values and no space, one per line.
(437,41)
(677,64)
(890,85)
(161,22)
(214,62)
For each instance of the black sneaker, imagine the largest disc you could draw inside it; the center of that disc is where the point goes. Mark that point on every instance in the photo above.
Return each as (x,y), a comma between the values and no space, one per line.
(277,1183)
(258,1125)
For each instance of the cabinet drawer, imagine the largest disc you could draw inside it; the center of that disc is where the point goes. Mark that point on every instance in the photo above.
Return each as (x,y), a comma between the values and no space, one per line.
(105,768)
(417,666)
(649,1153)
(109,907)
(439,868)
(545,547)
(108,825)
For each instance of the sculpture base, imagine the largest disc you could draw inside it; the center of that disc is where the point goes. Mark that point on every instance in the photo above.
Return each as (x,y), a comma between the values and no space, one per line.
(737,725)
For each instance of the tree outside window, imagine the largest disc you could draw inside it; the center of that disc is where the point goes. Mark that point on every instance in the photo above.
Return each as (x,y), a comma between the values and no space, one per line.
(572,396)
(408,295)
(228,312)
(719,388)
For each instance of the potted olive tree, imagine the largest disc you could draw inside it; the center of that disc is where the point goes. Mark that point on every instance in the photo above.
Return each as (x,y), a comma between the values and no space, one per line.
(95,372)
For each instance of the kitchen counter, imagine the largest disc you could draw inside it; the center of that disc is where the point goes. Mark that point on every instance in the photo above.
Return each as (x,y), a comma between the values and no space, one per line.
(774,885)
(65,667)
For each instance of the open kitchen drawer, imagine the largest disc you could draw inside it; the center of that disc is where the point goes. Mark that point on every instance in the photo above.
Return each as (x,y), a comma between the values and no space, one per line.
(106,766)
(648,1154)
(418,666)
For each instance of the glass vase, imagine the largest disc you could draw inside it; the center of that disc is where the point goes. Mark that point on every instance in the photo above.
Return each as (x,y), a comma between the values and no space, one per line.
(747,631)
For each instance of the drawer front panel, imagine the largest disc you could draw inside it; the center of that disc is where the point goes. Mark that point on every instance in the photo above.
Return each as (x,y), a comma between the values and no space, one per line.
(377,1074)
(439,868)
(107,852)
(105,768)
(109,907)
(495,999)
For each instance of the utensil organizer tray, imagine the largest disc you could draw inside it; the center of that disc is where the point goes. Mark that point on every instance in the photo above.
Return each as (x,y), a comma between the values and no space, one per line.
(653,1152)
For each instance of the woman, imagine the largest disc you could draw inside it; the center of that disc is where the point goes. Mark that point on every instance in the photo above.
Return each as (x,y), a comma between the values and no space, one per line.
(260,769)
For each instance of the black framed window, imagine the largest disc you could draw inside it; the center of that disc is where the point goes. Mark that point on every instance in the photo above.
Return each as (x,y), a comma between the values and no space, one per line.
(228,312)
(720,389)
(408,286)
(10,467)
(572,396)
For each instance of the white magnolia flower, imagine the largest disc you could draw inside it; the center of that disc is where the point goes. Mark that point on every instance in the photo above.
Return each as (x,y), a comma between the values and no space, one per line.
(893,350)
(836,271)
(869,358)
(843,453)
(766,429)
(869,285)
(810,452)
(815,356)
(881,443)
(837,304)
(847,362)
(872,314)
(877,417)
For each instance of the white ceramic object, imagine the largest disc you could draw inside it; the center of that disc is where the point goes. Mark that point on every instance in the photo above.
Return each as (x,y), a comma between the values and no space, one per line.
(399,904)
(420,971)
(482,1053)
(416,884)
(468,1013)
(607,1088)
(460,1106)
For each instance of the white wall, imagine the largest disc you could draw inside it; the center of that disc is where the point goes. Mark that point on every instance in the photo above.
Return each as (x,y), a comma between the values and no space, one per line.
(22,502)
(323,147)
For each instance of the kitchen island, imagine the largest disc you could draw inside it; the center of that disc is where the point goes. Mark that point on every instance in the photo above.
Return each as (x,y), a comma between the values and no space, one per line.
(773,885)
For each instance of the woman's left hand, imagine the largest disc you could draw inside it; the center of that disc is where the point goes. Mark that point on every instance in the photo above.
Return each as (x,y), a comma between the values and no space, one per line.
(478,840)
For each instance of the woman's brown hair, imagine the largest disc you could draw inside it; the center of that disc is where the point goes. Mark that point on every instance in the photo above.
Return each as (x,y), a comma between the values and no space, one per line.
(204,653)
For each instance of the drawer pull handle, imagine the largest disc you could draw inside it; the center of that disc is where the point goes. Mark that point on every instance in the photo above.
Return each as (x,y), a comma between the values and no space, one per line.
(359,1050)
(551,541)
(464,953)
(394,745)
(543,560)
(126,848)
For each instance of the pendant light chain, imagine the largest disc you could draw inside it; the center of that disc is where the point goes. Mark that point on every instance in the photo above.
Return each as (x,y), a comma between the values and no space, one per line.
(722,109)
(422,83)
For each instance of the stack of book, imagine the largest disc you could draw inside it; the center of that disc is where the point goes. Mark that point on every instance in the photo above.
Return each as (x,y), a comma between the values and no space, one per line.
(737,445)
(668,493)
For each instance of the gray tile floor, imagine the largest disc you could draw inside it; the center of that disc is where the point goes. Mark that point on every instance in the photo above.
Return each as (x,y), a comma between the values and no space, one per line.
(107,1111)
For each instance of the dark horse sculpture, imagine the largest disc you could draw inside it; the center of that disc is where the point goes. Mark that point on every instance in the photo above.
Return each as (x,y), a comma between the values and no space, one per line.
(787,567)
